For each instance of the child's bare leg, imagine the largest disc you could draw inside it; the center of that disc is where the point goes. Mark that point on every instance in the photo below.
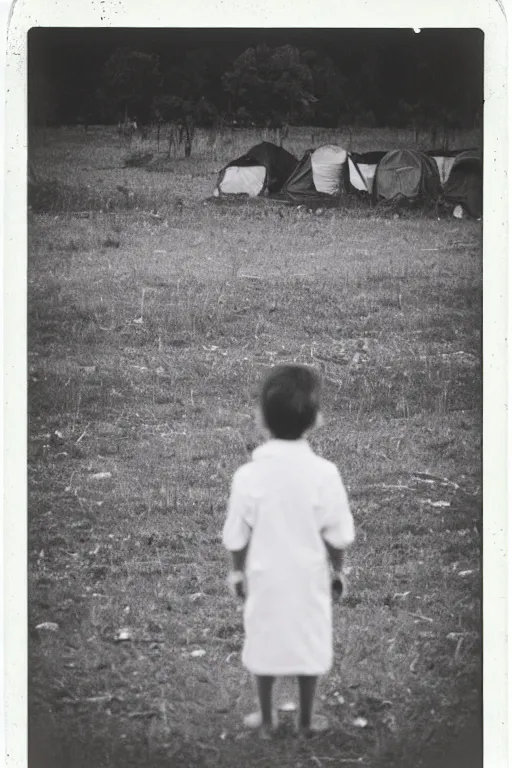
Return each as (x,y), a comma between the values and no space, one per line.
(309,724)
(307,690)
(264,685)
(255,719)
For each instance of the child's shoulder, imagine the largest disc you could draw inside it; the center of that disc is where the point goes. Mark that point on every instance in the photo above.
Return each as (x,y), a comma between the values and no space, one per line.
(325,466)
(243,471)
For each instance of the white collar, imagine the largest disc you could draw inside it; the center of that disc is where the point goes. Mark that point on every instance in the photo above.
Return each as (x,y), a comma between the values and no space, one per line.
(277,447)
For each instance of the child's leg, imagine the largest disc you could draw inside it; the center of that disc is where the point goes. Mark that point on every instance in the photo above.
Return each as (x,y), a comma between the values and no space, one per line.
(255,719)
(307,689)
(309,725)
(264,685)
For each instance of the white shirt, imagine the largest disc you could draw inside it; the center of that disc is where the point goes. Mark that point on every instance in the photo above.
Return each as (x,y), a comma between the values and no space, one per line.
(287,502)
(287,496)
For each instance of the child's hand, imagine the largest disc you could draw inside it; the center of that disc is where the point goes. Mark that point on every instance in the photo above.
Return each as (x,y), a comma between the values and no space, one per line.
(338,585)
(236,584)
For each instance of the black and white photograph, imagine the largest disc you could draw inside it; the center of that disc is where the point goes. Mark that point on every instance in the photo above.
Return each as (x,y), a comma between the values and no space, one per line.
(254,372)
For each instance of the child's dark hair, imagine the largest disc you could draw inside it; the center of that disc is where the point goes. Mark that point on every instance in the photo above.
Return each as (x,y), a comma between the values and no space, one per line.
(290,399)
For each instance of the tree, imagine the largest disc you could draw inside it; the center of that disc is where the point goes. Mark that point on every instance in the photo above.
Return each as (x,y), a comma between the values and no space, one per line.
(331,89)
(85,103)
(42,99)
(273,85)
(187,87)
(130,83)
(183,103)
(181,116)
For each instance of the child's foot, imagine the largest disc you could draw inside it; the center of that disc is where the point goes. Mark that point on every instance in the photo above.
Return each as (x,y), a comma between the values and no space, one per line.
(319,724)
(253,720)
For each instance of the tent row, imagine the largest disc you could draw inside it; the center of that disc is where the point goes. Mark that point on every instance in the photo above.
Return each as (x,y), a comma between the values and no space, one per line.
(330,171)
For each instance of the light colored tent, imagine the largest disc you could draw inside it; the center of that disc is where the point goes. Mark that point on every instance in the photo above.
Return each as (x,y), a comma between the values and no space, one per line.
(261,171)
(318,175)
(239,180)
(359,171)
(444,165)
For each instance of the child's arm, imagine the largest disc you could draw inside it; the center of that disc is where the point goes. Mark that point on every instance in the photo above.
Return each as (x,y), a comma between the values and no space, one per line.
(337,527)
(236,577)
(337,558)
(239,557)
(237,531)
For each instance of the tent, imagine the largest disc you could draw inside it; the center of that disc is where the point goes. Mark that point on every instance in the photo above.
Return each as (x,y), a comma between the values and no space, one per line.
(359,171)
(465,180)
(317,176)
(445,159)
(261,171)
(406,174)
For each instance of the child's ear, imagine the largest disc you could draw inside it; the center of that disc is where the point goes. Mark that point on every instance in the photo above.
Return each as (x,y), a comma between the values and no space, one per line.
(319,421)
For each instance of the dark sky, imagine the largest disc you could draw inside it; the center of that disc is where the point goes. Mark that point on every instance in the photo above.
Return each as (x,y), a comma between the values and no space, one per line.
(80,47)
(453,56)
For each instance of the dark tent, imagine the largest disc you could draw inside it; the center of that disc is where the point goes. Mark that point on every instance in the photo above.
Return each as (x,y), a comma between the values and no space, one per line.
(465,181)
(359,170)
(406,174)
(261,171)
(445,159)
(318,176)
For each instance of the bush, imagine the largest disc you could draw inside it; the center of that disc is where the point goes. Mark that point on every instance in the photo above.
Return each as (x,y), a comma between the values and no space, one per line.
(138,159)
(51,196)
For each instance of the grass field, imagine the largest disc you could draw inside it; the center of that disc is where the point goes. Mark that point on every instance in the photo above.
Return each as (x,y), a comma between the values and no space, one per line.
(151,320)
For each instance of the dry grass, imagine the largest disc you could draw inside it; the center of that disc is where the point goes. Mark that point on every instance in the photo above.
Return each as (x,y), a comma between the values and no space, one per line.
(147,337)
(87,171)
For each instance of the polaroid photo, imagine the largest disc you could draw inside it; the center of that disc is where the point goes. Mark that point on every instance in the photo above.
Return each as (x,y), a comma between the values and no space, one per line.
(255,293)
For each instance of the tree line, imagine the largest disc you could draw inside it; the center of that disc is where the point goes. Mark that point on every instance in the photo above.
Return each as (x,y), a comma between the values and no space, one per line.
(265,85)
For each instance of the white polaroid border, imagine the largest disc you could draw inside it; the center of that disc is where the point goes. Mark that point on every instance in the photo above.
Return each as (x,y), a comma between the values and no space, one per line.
(4,12)
(488,15)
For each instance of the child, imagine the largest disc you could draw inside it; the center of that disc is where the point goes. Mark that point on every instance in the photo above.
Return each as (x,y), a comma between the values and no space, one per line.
(288,516)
